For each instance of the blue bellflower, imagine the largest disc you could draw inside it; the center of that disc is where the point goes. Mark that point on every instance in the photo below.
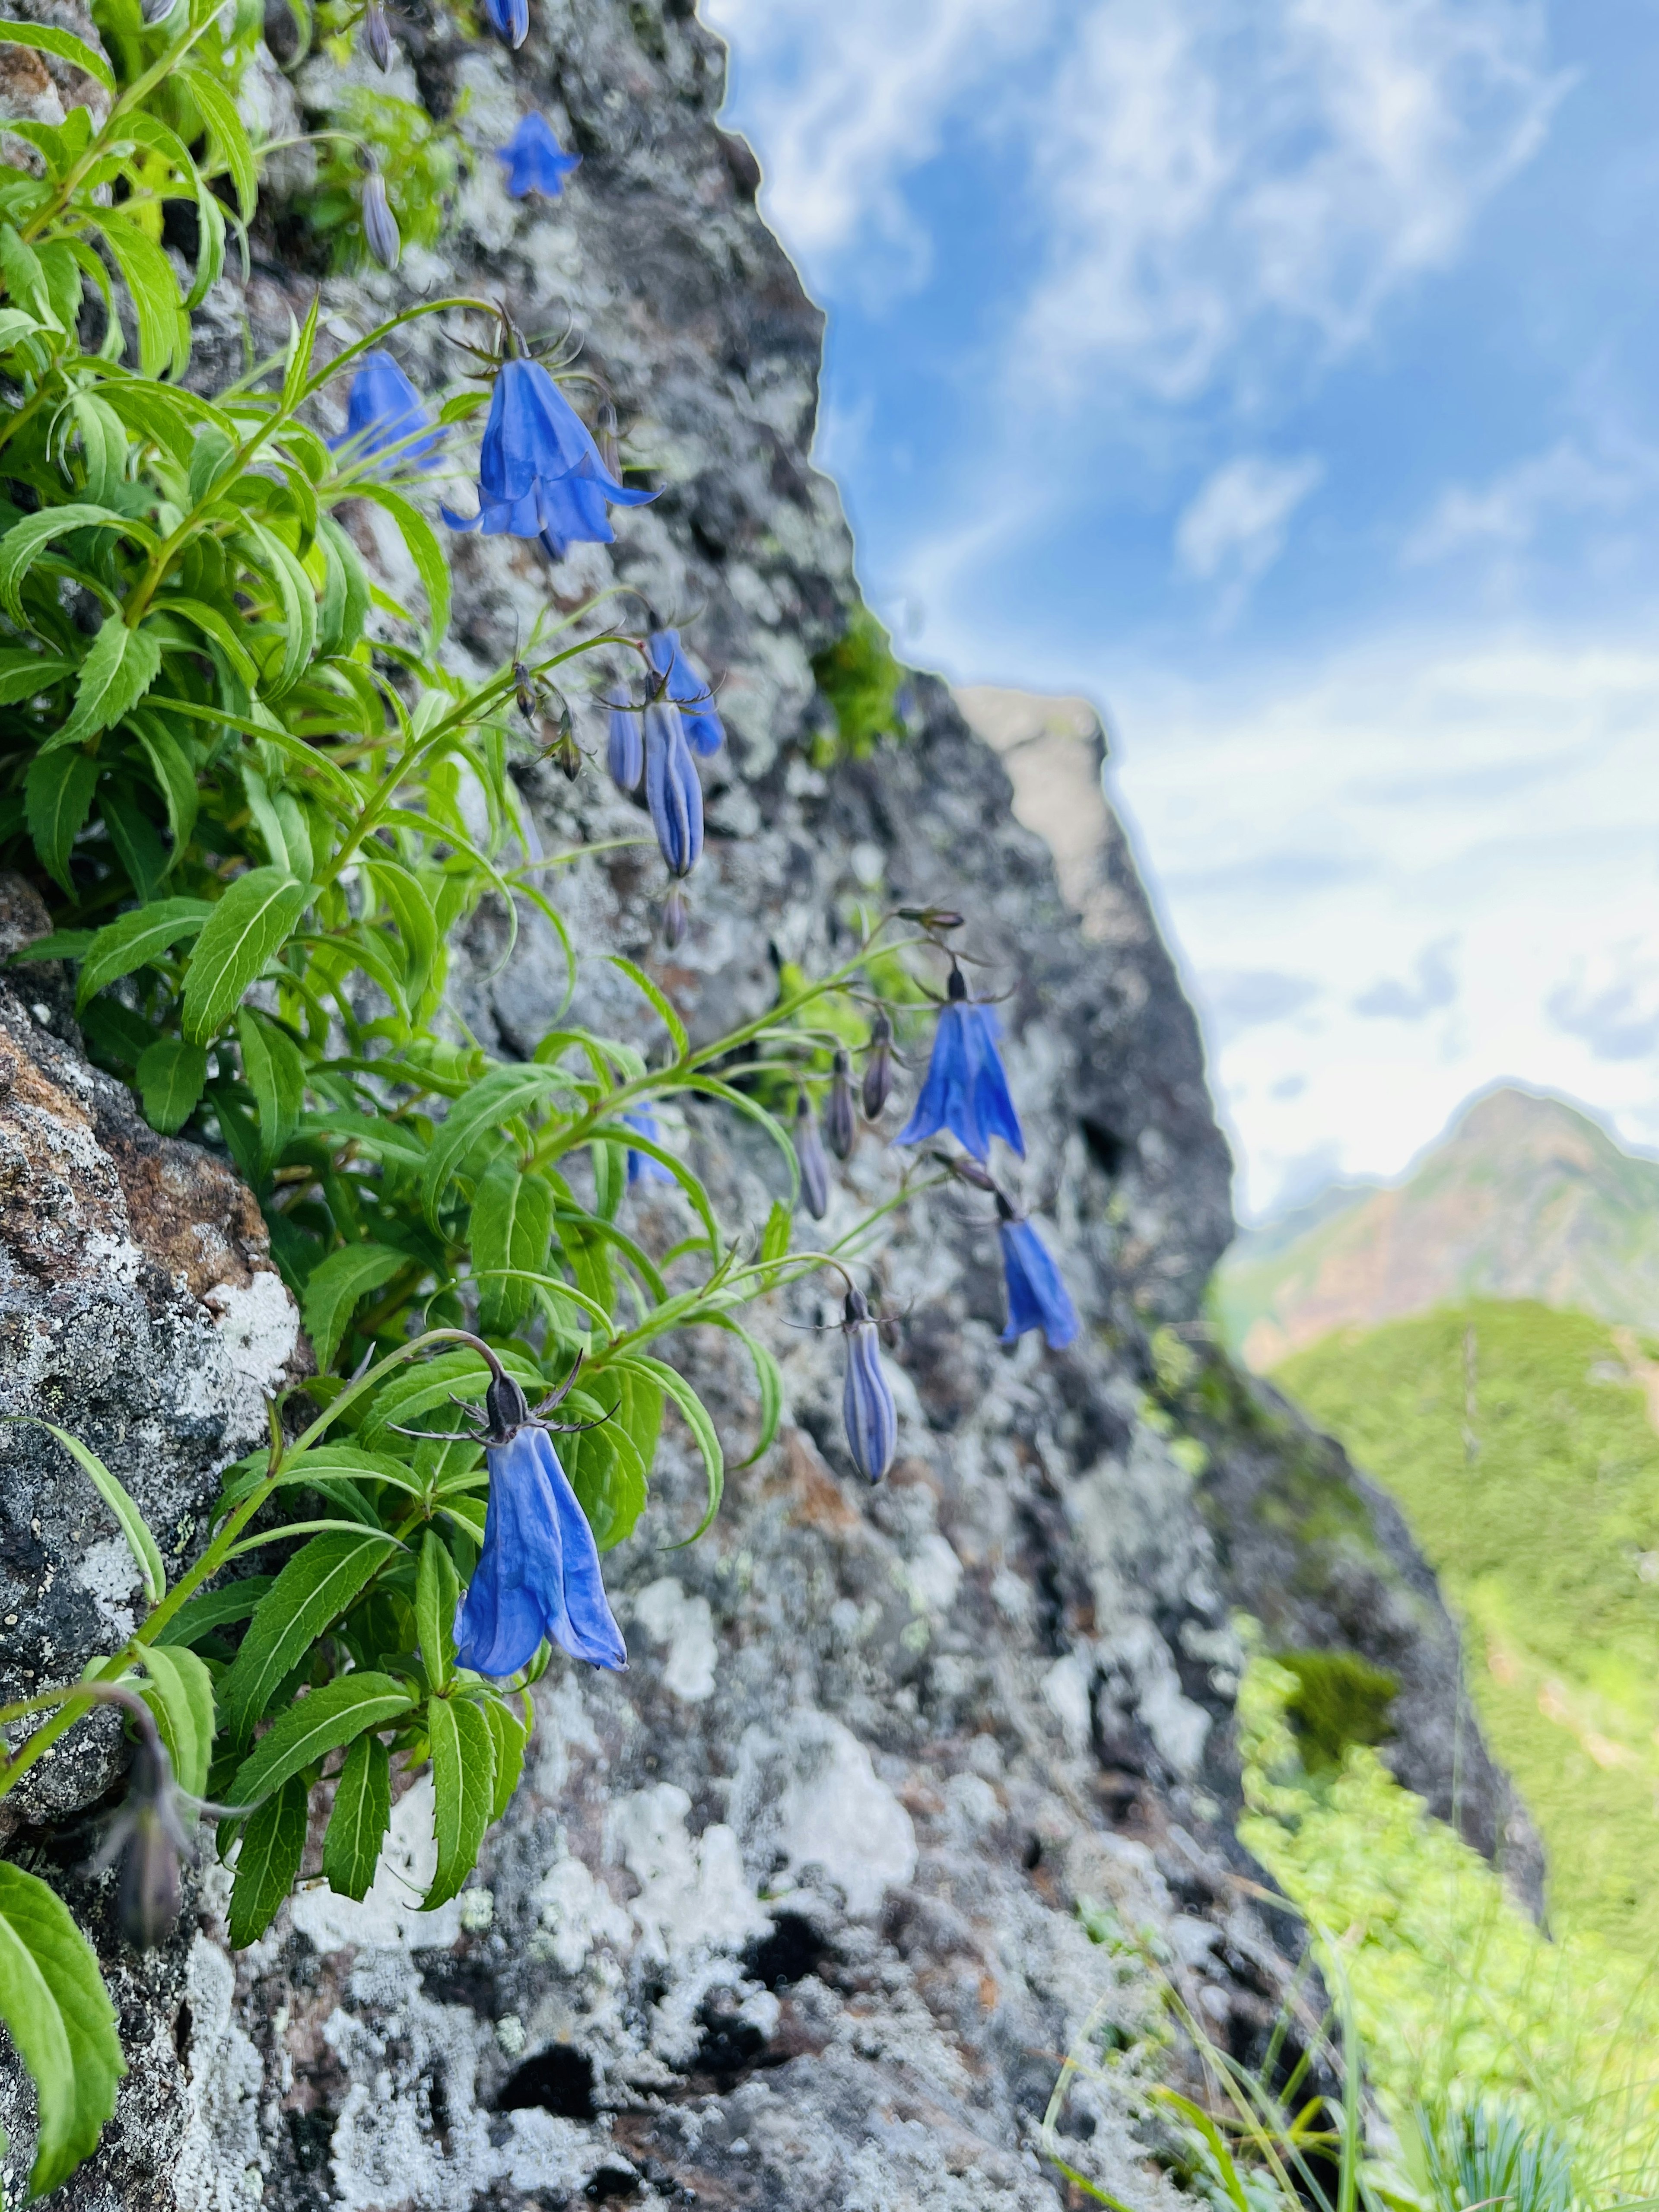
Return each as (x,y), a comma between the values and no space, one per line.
(641,1168)
(671,789)
(705,732)
(509,19)
(966,1090)
(539,1573)
(624,751)
(1037,1296)
(535,160)
(539,472)
(868,1413)
(383,408)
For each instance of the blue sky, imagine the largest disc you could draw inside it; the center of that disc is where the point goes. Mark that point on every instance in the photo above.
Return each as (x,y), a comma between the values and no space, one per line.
(1281,374)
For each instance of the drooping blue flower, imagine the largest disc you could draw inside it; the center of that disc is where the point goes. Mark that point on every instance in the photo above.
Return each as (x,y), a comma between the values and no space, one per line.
(380,231)
(868,1413)
(535,160)
(509,19)
(624,751)
(671,789)
(1037,1296)
(966,1090)
(705,732)
(641,1168)
(539,1573)
(383,408)
(539,472)
(810,1156)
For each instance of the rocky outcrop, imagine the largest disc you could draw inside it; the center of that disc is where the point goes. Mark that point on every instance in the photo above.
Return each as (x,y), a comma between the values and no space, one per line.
(907,1794)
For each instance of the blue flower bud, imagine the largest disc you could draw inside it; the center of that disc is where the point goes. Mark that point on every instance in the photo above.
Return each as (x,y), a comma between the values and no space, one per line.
(641,1168)
(509,19)
(671,790)
(1037,1296)
(868,1412)
(814,1167)
(840,1129)
(377,35)
(380,224)
(878,1068)
(624,751)
(676,919)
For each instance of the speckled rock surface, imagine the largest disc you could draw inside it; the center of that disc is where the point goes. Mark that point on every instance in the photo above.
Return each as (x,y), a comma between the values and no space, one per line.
(802,1911)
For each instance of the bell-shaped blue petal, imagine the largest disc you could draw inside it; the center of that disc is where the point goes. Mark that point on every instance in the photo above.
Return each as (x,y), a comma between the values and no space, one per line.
(671,789)
(534,443)
(383,408)
(705,732)
(868,1413)
(966,1090)
(535,160)
(1037,1297)
(641,1168)
(624,751)
(509,19)
(539,1573)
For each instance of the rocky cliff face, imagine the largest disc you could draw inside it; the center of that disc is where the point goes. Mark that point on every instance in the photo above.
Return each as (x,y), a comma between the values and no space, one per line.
(788,1916)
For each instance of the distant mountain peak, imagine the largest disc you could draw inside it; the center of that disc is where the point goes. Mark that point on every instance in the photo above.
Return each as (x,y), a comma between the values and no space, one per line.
(1526,1196)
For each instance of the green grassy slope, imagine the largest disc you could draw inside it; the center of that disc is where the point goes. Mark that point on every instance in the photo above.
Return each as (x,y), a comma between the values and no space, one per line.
(1535,1497)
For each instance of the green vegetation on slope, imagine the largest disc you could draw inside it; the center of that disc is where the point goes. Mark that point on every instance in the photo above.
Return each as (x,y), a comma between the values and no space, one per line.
(1522,1454)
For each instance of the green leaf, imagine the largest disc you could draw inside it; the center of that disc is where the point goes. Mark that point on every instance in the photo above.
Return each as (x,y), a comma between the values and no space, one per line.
(137,841)
(276,1074)
(174,773)
(355,610)
(56,799)
(316,1586)
(103,444)
(642,983)
(134,939)
(53,2000)
(273,1845)
(697,1419)
(464,1791)
(417,928)
(133,1525)
(768,1380)
(247,929)
(501,1096)
(512,1734)
(115,675)
(25,279)
(218,111)
(180,1695)
(64,44)
(164,327)
(25,541)
(210,1609)
(512,1226)
(609,1466)
(316,1725)
(437,1592)
(172,1077)
(431,564)
(298,597)
(358,1823)
(24,675)
(336,1286)
(779,1229)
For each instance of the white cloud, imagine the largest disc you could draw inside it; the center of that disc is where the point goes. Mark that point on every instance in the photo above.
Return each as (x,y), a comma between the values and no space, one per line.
(1507,514)
(1236,527)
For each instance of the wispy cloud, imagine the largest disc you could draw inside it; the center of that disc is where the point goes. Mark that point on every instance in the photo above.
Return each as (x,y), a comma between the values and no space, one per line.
(1612,1003)
(1235,529)
(1434,989)
(1506,513)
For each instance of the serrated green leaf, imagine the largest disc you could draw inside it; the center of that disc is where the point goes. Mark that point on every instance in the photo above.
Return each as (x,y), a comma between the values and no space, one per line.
(54,2003)
(502,1094)
(336,1286)
(358,1823)
(437,1592)
(201,1615)
(418,929)
(276,1074)
(57,800)
(317,1724)
(312,1590)
(697,1418)
(45,39)
(133,1523)
(180,1695)
(114,677)
(164,327)
(25,541)
(273,1845)
(298,599)
(512,1734)
(464,1791)
(355,610)
(512,1225)
(63,275)
(642,983)
(174,772)
(103,445)
(431,564)
(171,1076)
(225,128)
(137,841)
(779,1231)
(24,278)
(247,929)
(24,675)
(133,939)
